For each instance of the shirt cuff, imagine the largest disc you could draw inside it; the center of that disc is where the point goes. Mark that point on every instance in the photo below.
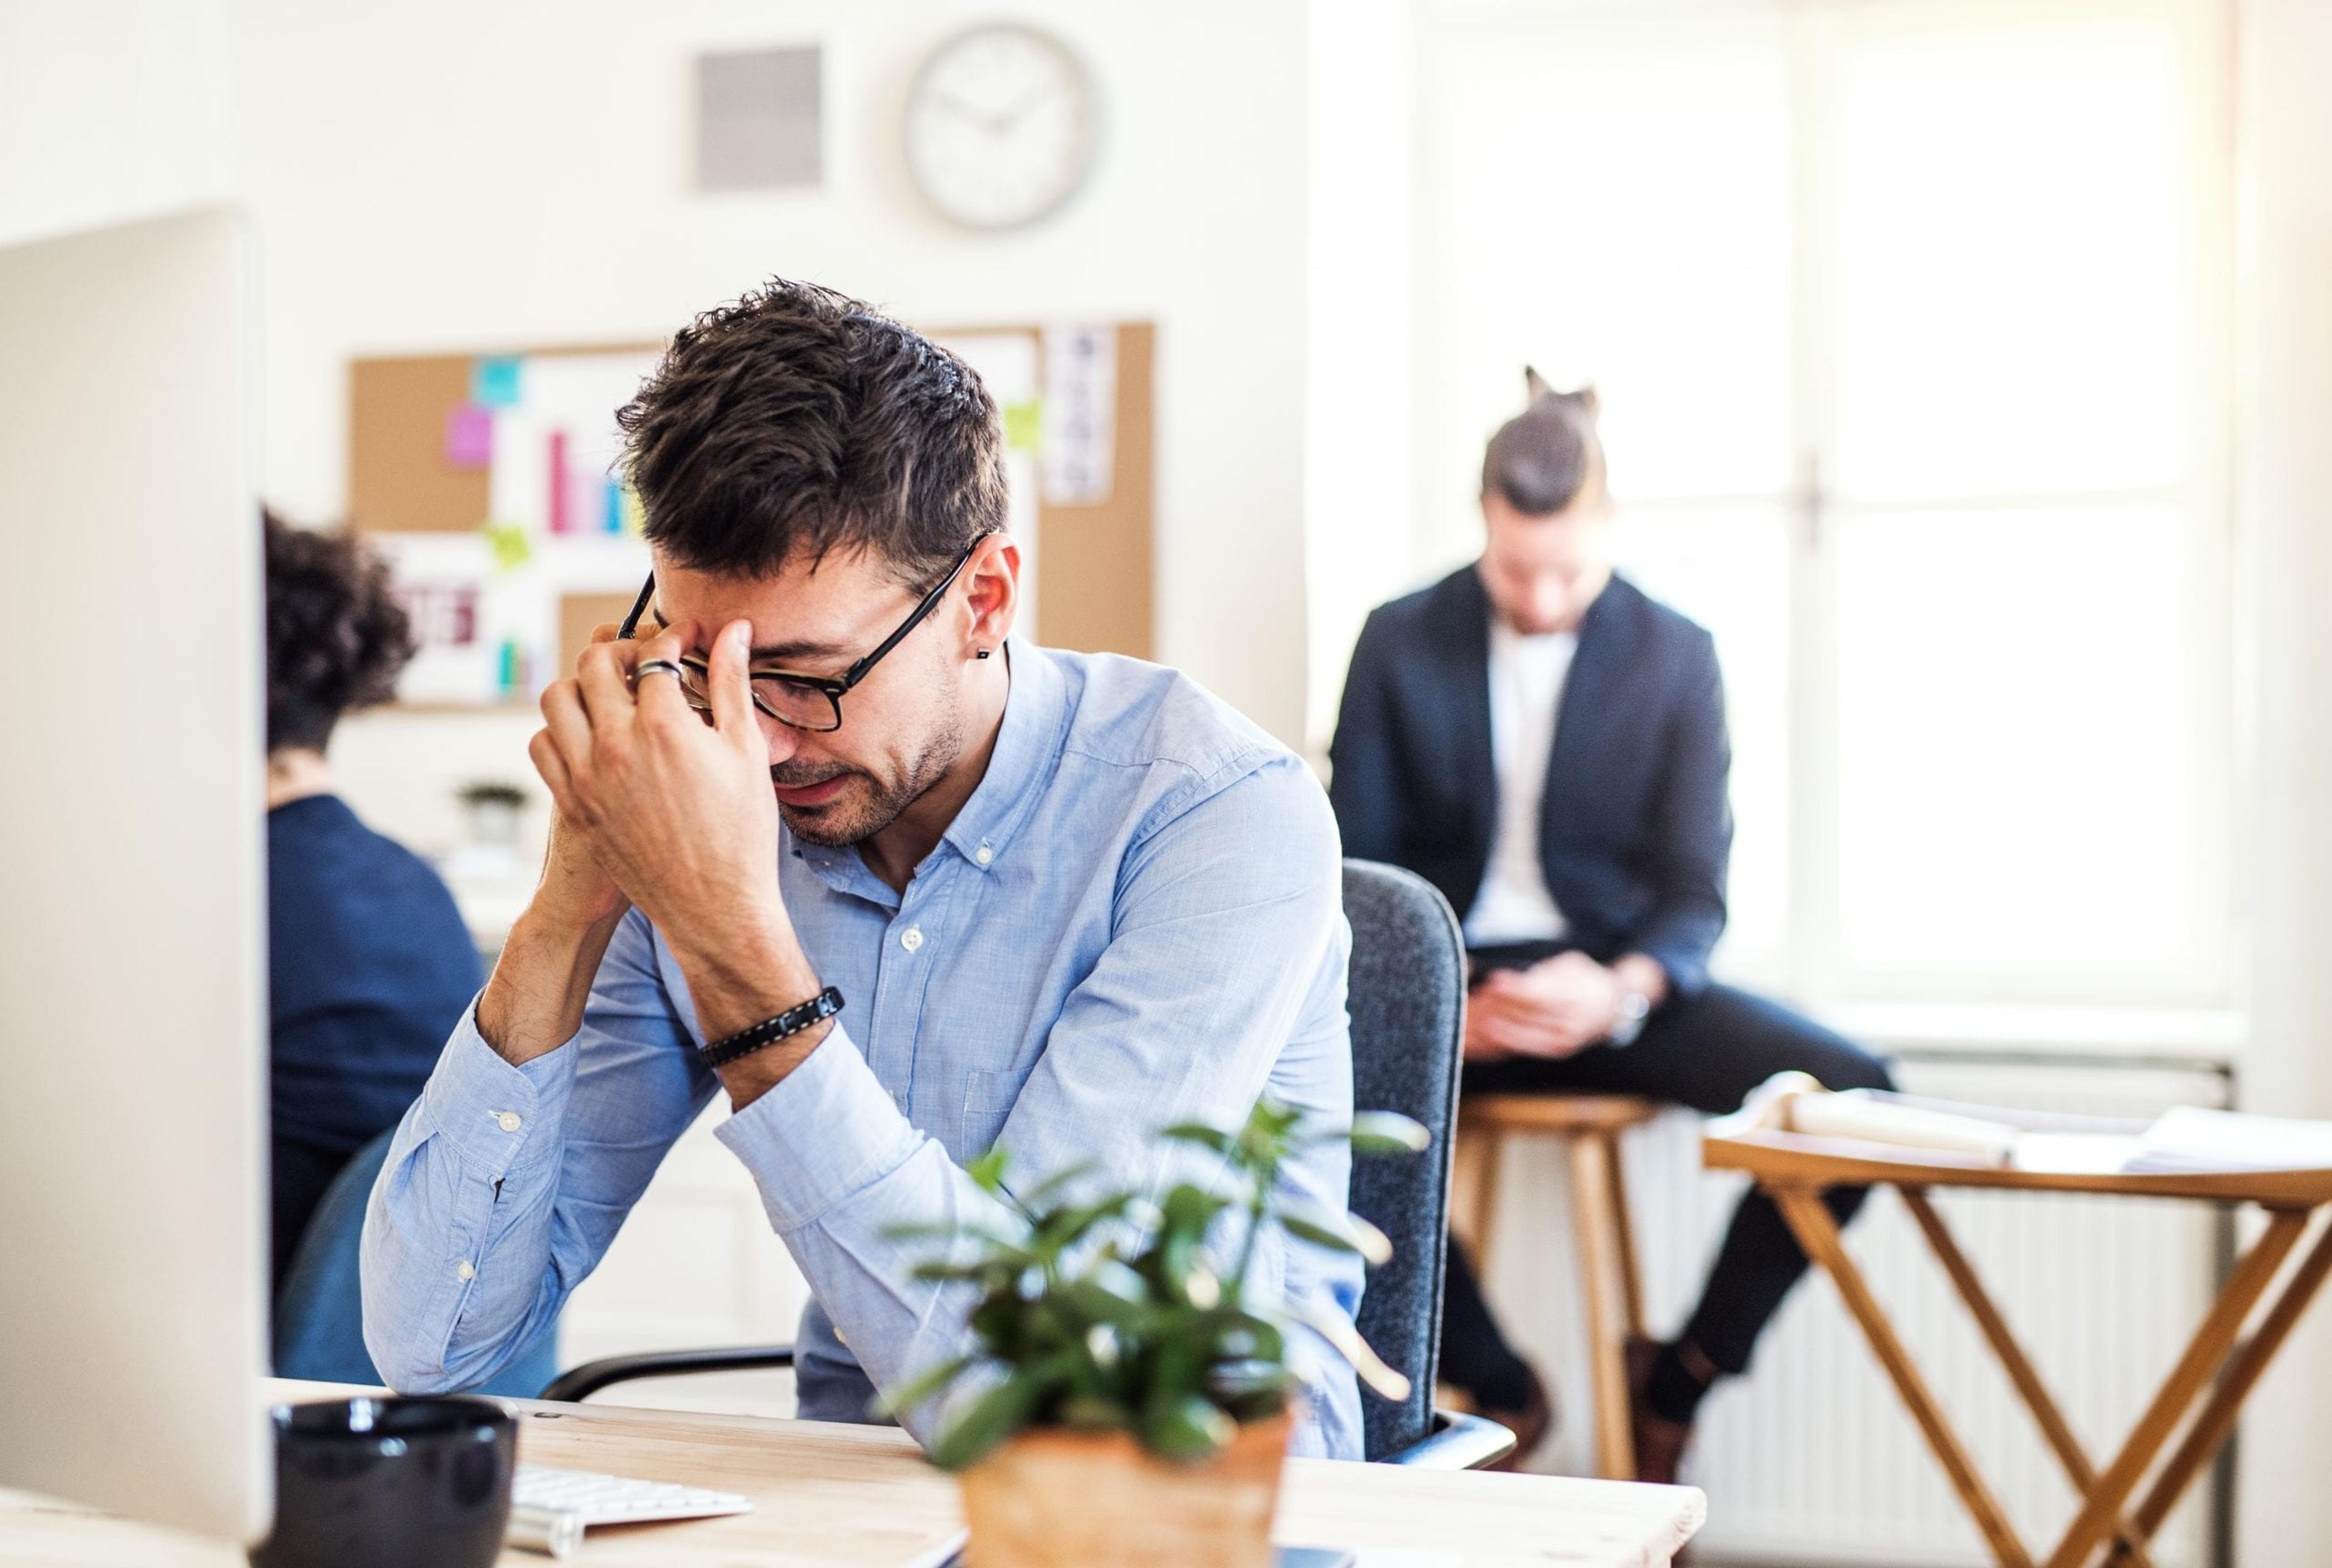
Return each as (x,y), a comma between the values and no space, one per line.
(828,1130)
(491,1112)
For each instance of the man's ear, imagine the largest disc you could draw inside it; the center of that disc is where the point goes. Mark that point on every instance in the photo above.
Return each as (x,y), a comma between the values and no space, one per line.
(994,590)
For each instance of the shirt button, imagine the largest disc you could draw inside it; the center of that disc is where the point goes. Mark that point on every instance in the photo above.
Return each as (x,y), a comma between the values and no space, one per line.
(467,1271)
(983,854)
(508,1121)
(912,938)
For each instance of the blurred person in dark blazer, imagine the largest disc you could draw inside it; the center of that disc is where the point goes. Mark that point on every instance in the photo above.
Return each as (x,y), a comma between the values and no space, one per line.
(1546,744)
(368,962)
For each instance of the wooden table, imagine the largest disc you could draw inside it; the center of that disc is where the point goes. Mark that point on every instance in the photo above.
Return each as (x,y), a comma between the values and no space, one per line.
(837,1496)
(2204,1389)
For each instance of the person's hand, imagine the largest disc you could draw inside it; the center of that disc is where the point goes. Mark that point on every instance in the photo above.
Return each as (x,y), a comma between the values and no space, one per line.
(574,891)
(675,812)
(1553,1009)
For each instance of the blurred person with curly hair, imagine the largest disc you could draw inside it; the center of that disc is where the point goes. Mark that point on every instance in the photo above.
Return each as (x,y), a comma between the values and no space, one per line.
(368,962)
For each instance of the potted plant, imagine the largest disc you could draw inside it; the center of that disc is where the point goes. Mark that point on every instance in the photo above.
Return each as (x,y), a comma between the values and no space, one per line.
(1125,1404)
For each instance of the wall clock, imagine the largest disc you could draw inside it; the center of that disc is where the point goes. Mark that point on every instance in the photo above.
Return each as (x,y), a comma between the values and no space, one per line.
(1003,120)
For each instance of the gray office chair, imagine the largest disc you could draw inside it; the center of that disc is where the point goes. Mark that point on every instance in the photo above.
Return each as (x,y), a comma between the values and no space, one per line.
(1407,997)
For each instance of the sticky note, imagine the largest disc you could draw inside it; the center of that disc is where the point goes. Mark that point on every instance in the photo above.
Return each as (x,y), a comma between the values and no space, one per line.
(470,436)
(509,545)
(495,380)
(1024,425)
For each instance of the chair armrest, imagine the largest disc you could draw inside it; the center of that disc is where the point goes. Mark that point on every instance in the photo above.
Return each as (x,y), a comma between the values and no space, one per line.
(581,1382)
(1459,1442)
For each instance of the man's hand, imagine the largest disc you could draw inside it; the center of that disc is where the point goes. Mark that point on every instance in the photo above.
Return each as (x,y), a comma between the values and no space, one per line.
(678,812)
(659,808)
(1553,1009)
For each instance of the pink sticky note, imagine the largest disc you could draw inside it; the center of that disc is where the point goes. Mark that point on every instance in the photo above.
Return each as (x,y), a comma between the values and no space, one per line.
(470,436)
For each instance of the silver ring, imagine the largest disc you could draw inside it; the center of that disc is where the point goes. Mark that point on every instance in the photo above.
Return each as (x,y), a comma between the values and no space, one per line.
(654,667)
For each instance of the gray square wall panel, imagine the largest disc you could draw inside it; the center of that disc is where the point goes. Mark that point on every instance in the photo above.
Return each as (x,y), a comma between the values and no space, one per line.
(757,120)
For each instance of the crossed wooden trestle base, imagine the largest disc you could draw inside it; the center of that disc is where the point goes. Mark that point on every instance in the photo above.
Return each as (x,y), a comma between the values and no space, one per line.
(2198,1401)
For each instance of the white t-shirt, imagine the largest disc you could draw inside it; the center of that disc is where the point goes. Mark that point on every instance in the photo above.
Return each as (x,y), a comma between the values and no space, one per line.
(1526,676)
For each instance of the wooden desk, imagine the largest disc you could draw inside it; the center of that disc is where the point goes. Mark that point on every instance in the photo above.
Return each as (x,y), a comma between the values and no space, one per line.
(835,1497)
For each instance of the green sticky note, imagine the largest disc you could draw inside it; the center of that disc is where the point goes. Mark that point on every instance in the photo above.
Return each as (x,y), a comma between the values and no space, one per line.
(1024,425)
(510,544)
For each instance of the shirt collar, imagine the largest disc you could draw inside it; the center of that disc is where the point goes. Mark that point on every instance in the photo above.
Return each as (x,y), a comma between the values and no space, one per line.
(1027,745)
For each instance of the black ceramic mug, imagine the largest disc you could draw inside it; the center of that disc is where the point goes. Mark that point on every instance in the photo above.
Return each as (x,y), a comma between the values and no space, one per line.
(390,1482)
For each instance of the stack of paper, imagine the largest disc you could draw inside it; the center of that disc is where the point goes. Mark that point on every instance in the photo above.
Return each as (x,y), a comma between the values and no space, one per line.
(2192,1138)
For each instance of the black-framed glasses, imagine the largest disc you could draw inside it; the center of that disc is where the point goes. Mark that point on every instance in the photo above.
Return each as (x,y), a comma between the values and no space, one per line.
(812,702)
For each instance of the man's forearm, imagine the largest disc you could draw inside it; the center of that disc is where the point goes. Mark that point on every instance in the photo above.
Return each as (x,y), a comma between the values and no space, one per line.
(534,1002)
(741,980)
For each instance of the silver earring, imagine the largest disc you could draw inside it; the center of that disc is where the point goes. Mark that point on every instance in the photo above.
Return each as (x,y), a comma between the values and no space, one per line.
(981,654)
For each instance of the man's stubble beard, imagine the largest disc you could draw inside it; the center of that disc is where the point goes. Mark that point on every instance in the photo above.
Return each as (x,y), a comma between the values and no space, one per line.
(846,821)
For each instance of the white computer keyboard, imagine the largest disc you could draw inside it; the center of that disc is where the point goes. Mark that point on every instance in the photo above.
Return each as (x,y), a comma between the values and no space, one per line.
(617,1499)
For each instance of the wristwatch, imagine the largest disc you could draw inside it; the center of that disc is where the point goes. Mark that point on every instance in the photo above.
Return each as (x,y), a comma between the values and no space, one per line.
(1632,1009)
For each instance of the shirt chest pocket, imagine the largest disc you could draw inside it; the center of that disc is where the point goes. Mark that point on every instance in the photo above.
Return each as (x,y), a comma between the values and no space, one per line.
(989,1095)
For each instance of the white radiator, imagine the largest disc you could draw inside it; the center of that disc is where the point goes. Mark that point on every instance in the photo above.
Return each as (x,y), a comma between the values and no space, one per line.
(1813,1459)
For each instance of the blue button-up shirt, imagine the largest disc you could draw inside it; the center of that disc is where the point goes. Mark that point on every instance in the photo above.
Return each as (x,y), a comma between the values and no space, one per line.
(1135,920)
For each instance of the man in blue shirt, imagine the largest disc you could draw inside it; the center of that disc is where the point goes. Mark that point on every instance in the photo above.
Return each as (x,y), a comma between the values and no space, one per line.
(1067,899)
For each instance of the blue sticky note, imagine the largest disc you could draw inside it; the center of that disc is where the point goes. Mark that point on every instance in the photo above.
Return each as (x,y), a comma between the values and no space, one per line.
(494,381)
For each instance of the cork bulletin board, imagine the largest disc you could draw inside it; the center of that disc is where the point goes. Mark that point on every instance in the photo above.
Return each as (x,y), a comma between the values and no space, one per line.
(484,478)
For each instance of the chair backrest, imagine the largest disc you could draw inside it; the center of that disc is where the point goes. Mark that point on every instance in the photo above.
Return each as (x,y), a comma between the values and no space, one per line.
(318,1330)
(1407,999)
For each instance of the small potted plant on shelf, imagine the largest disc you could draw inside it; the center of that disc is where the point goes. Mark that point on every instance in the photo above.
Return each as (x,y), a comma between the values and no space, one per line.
(1127,1405)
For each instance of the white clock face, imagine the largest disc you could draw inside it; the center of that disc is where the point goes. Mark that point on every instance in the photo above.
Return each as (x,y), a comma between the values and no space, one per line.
(1001,126)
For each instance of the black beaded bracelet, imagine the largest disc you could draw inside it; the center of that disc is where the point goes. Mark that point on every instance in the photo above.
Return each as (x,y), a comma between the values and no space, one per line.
(770,1031)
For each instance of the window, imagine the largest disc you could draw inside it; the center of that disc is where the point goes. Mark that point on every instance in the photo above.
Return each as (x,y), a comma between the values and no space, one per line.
(1909,325)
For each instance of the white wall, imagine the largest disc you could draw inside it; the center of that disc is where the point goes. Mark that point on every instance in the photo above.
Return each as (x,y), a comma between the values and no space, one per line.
(1359,419)
(2285,262)
(110,109)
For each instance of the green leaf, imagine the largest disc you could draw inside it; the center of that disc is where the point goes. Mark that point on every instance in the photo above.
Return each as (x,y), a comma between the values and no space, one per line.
(1387,1132)
(1338,1232)
(1199,1133)
(916,1390)
(993,1416)
(1035,1197)
(988,1171)
(1318,1235)
(1188,1429)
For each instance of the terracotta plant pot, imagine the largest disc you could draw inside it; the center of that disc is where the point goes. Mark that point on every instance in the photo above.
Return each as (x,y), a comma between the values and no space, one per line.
(1061,1499)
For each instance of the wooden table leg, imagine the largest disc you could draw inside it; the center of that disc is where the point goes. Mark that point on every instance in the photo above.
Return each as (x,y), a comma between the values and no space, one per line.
(1591,1216)
(2205,1353)
(2021,1371)
(1632,1279)
(2211,1426)
(1473,1184)
(1817,1231)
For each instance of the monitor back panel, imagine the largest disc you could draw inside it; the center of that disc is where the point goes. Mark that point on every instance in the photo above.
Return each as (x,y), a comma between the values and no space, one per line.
(132,989)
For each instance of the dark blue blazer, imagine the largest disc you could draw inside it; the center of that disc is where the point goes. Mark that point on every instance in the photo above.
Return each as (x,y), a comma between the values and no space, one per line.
(1634,828)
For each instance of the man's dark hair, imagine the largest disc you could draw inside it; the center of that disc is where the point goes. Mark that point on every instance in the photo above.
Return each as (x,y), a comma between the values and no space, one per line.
(797,422)
(1541,458)
(336,637)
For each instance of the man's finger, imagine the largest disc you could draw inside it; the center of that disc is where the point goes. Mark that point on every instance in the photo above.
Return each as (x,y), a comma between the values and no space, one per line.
(603,679)
(544,751)
(566,730)
(605,632)
(733,687)
(659,696)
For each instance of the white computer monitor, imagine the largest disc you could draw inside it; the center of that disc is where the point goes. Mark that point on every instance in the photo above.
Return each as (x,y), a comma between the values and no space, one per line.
(132,978)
